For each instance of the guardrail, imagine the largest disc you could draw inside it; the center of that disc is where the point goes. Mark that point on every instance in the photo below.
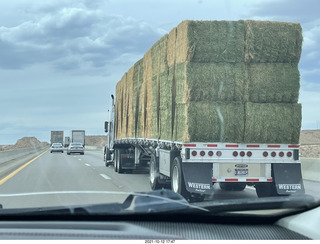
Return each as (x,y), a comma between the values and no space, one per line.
(6,156)
(310,168)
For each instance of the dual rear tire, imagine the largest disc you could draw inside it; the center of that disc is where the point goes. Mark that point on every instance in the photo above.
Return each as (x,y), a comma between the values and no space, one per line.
(177,180)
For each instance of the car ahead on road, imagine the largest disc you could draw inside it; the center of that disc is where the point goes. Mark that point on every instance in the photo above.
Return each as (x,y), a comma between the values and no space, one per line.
(56,147)
(75,147)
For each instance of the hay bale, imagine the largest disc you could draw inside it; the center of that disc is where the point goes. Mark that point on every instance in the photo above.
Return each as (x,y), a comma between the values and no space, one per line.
(210,41)
(129,105)
(273,82)
(159,55)
(171,47)
(216,82)
(148,98)
(165,106)
(272,42)
(209,122)
(119,108)
(272,123)
(136,103)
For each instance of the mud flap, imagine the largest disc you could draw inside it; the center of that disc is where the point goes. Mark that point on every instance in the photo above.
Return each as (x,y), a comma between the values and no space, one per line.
(198,177)
(288,178)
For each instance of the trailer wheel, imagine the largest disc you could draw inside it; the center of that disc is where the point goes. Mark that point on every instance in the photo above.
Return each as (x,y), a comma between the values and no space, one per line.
(107,154)
(154,173)
(177,180)
(232,186)
(266,190)
(119,166)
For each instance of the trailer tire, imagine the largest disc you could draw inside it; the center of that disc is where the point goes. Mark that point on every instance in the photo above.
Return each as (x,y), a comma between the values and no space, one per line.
(154,174)
(266,190)
(119,166)
(177,180)
(107,154)
(232,186)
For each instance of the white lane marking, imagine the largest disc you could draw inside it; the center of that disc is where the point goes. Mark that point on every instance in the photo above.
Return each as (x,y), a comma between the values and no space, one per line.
(88,165)
(105,176)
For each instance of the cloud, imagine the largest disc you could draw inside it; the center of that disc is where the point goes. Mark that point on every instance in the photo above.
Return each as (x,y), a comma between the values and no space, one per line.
(74,37)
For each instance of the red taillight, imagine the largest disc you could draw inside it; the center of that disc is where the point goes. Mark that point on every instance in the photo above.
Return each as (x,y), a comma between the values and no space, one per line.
(194,153)
(242,153)
(202,153)
(273,154)
(219,153)
(265,154)
(289,154)
(281,154)
(235,153)
(210,153)
(249,154)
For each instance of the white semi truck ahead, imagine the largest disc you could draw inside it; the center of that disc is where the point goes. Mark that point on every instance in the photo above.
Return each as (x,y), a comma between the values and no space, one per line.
(213,102)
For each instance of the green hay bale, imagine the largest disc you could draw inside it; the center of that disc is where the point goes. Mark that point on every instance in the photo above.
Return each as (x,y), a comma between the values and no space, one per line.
(210,122)
(274,83)
(210,41)
(272,123)
(166,101)
(216,82)
(272,42)
(159,55)
(180,82)
(136,103)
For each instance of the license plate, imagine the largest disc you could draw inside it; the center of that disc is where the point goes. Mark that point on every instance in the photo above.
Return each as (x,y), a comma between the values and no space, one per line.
(241,171)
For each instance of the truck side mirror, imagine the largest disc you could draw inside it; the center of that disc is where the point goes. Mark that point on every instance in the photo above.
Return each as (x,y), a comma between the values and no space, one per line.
(106,123)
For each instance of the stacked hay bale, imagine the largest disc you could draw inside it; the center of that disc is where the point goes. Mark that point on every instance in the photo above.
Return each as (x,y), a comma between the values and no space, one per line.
(273,51)
(217,81)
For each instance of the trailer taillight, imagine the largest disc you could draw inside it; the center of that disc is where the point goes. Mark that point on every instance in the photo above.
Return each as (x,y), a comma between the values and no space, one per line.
(210,153)
(202,153)
(242,153)
(219,153)
(273,154)
(249,154)
(194,153)
(281,154)
(265,154)
(289,154)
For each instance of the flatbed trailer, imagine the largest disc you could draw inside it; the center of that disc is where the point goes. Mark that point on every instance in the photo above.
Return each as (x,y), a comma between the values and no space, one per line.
(191,169)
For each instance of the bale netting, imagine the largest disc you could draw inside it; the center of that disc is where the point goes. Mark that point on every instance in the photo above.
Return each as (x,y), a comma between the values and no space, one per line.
(273,82)
(210,41)
(216,82)
(272,42)
(209,122)
(272,123)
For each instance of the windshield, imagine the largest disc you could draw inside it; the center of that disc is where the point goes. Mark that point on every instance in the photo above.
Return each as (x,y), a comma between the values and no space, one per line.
(216,101)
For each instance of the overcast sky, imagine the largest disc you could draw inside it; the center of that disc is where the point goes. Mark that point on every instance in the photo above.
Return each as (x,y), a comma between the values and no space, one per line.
(60,59)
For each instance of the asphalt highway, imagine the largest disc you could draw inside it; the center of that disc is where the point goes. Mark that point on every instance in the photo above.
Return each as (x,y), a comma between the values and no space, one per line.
(58,179)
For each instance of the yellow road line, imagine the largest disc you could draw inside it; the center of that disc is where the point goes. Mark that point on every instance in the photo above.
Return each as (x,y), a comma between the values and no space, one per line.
(19,169)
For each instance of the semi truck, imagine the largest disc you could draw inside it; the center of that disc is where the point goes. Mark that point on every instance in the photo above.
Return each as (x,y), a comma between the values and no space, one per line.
(56,137)
(199,113)
(66,141)
(78,136)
